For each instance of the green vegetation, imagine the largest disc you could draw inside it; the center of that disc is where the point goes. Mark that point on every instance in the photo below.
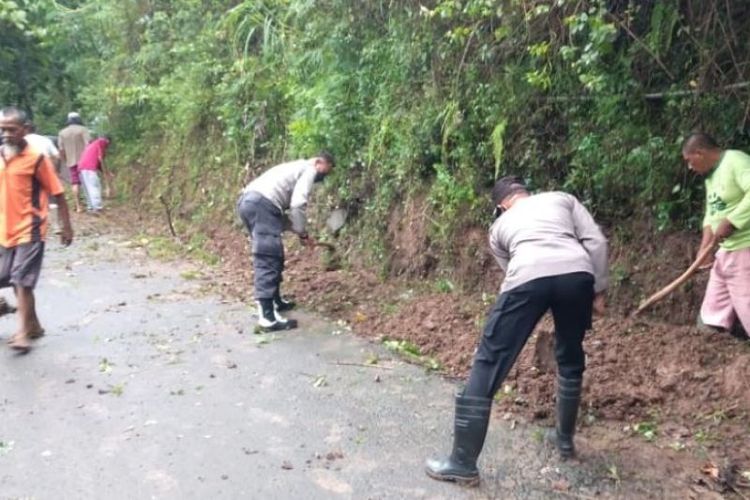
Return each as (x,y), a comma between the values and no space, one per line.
(412,352)
(437,97)
(647,430)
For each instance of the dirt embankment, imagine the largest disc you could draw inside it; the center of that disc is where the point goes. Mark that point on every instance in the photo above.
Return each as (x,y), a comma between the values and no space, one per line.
(658,376)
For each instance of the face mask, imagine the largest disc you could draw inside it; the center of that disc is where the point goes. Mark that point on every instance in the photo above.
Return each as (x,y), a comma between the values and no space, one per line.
(319,176)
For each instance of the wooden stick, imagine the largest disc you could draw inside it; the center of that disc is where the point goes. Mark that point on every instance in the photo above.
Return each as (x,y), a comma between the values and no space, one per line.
(169,215)
(679,281)
(342,363)
(328,246)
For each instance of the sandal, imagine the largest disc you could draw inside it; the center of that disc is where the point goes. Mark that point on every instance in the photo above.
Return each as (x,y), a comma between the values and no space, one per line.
(32,335)
(20,344)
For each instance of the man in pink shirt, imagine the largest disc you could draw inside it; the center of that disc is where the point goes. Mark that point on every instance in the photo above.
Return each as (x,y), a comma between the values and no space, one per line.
(91,162)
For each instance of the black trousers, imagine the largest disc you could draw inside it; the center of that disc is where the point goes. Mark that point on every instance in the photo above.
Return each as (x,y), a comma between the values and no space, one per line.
(265,224)
(514,316)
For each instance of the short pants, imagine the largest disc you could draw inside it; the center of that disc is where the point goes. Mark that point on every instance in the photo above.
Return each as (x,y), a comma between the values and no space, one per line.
(75,176)
(727,296)
(21,265)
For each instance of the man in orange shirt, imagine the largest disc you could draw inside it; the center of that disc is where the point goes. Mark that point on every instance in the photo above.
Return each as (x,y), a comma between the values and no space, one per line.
(27,178)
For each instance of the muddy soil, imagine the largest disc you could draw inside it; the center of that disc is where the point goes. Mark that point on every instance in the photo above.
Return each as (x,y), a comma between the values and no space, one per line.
(648,381)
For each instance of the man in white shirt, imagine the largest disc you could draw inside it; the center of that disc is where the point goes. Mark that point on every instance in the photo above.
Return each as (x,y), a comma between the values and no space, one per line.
(44,145)
(261,207)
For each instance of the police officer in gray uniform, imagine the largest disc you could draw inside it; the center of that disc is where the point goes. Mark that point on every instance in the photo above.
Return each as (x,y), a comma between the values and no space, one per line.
(261,208)
(554,257)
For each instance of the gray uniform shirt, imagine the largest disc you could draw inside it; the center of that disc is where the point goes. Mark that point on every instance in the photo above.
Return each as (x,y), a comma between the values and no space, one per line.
(288,186)
(545,235)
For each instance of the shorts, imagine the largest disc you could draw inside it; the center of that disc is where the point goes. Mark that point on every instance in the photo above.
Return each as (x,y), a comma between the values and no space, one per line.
(75,176)
(21,265)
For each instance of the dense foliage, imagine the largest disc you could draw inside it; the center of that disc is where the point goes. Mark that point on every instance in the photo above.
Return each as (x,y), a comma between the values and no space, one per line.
(437,97)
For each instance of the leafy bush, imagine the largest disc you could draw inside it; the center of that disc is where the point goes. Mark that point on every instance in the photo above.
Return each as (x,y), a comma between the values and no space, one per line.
(440,97)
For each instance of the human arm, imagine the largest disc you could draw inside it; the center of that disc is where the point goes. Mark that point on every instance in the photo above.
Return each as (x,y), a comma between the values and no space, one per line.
(61,147)
(499,251)
(47,177)
(106,178)
(298,203)
(63,213)
(54,155)
(593,241)
(739,217)
(706,239)
(53,152)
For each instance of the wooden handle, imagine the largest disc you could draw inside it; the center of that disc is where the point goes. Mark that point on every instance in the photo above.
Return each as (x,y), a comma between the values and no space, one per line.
(702,256)
(327,246)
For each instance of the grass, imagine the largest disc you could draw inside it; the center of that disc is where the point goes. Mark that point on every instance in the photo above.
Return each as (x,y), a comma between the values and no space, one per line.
(538,436)
(196,248)
(389,309)
(647,430)
(705,436)
(413,353)
(165,248)
(444,285)
(190,275)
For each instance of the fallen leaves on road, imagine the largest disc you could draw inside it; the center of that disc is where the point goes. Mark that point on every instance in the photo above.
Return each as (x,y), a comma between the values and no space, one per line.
(105,366)
(6,447)
(320,381)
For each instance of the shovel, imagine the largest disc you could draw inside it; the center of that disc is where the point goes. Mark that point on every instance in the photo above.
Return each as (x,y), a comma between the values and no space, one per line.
(674,285)
(336,220)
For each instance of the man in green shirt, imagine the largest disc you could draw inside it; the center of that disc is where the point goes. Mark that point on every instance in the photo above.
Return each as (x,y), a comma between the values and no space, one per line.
(727,220)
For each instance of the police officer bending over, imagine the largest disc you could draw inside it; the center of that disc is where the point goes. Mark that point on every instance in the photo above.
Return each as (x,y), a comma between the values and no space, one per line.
(261,208)
(554,257)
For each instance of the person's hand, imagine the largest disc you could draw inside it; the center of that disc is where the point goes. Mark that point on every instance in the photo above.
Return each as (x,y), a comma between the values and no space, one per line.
(724,230)
(600,305)
(708,264)
(66,237)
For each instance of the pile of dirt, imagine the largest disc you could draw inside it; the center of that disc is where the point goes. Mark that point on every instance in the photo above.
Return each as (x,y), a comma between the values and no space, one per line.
(684,387)
(689,387)
(408,245)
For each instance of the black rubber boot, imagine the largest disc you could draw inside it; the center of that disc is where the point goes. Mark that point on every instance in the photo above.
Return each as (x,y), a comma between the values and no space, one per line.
(282,305)
(470,429)
(269,320)
(568,400)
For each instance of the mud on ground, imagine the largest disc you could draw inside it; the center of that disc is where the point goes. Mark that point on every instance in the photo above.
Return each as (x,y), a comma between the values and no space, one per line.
(682,390)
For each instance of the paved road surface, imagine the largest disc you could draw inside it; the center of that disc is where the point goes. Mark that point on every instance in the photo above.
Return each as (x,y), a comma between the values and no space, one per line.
(146,386)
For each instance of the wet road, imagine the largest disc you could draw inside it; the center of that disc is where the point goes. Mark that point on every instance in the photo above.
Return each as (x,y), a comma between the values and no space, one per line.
(148,386)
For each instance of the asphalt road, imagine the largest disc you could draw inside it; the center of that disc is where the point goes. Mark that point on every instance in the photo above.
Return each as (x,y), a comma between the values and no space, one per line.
(148,386)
